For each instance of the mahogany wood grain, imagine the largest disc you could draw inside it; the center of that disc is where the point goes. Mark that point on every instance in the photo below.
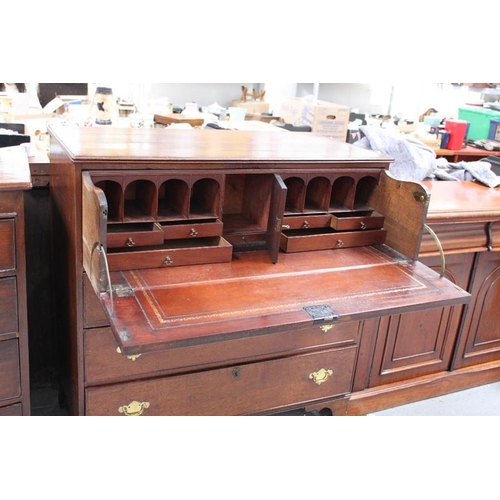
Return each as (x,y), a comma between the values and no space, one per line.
(105,363)
(235,390)
(15,178)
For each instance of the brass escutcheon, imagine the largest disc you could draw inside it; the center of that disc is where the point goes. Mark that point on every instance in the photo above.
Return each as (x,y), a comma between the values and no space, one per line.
(326,328)
(134,409)
(320,376)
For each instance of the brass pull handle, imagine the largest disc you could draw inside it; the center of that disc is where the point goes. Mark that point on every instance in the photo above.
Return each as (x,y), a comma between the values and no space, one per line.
(320,376)
(306,225)
(363,225)
(340,243)
(193,232)
(130,242)
(168,261)
(134,409)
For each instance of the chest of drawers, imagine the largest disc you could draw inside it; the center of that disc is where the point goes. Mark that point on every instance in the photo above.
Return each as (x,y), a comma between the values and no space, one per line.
(14,363)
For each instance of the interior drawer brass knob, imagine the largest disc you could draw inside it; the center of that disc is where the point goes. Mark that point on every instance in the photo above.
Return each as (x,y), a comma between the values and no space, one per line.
(134,409)
(130,242)
(193,233)
(320,376)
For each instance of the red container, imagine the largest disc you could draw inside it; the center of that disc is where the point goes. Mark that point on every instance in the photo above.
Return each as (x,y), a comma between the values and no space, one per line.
(457,130)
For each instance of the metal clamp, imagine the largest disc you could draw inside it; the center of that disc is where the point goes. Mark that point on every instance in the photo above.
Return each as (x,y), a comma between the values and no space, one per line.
(101,251)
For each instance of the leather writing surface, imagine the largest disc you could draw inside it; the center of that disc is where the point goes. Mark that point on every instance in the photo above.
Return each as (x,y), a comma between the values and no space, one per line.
(176,307)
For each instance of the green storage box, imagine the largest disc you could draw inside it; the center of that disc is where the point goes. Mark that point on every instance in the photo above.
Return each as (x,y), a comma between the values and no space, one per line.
(479,119)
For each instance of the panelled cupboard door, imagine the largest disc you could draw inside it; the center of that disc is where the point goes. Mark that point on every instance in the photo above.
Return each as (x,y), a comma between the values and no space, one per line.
(416,344)
(480,339)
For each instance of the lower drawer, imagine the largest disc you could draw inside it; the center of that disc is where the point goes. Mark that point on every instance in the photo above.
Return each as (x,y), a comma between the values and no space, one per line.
(10,377)
(9,323)
(304,241)
(12,410)
(236,390)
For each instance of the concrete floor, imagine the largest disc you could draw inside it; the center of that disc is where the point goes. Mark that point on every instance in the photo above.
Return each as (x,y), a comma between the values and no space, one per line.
(478,401)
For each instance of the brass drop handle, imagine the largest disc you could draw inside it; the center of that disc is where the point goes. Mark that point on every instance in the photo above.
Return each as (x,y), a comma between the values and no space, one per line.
(134,409)
(193,233)
(130,242)
(320,376)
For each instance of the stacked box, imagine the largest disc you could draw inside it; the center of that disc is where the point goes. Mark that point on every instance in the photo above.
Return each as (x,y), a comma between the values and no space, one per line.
(324,118)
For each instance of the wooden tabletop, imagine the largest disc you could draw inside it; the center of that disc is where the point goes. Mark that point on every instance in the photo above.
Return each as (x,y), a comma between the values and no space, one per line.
(14,169)
(468,151)
(462,200)
(244,148)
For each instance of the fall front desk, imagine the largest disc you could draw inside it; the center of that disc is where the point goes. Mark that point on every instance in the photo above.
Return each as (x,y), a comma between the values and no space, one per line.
(214,272)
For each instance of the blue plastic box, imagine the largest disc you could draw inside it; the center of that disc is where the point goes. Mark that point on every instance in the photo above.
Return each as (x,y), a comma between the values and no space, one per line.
(494,134)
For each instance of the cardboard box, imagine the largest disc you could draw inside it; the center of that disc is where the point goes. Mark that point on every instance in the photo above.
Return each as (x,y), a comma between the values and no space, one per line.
(252,107)
(324,118)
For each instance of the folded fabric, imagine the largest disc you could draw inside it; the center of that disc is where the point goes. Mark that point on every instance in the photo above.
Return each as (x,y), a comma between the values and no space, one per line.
(466,171)
(413,160)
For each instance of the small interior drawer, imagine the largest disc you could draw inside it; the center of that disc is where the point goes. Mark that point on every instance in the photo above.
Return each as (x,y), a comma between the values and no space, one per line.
(235,390)
(172,253)
(350,222)
(308,240)
(10,378)
(307,221)
(191,230)
(7,245)
(134,235)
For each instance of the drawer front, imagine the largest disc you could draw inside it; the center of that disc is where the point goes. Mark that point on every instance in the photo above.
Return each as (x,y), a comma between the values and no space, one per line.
(105,363)
(8,306)
(296,242)
(182,253)
(306,222)
(236,390)
(200,230)
(12,411)
(350,223)
(7,245)
(132,235)
(10,378)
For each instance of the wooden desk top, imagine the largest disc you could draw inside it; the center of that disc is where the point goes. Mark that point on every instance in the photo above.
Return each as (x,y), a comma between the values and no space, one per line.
(221,147)
(14,170)
(462,201)
(468,151)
